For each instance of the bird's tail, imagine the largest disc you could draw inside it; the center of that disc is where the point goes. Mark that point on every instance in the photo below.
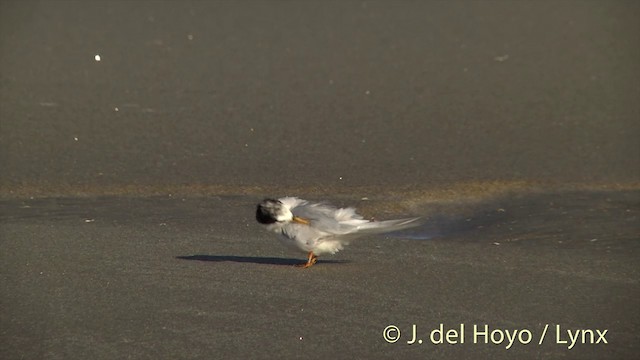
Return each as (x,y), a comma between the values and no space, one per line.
(378,227)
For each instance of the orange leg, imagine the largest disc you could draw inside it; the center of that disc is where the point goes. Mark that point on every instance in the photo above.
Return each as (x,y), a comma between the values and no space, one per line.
(312,259)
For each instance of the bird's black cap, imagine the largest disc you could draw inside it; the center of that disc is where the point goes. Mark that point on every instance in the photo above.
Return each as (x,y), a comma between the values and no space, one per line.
(267,211)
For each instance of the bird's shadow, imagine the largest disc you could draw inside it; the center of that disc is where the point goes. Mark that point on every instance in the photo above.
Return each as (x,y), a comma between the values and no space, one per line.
(255,259)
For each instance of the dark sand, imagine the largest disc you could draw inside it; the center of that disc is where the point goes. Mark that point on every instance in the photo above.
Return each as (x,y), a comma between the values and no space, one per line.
(174,278)
(128,184)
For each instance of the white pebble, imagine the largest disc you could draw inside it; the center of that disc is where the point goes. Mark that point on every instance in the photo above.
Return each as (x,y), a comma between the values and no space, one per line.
(97,57)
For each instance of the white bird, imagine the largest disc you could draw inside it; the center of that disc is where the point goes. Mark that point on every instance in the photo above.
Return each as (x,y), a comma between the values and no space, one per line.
(318,228)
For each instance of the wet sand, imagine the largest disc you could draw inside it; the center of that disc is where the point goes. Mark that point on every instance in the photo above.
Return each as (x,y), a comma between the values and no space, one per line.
(198,277)
(128,184)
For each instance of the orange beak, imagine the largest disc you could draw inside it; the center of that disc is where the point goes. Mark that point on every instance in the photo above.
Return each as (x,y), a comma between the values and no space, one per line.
(300,220)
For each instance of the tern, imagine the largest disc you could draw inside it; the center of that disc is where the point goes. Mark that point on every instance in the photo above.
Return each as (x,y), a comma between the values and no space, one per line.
(319,228)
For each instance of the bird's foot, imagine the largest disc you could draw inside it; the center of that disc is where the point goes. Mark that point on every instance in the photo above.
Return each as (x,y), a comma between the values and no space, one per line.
(312,259)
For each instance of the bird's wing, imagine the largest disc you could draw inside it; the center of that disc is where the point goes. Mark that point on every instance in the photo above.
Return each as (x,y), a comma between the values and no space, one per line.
(325,218)
(343,221)
(292,202)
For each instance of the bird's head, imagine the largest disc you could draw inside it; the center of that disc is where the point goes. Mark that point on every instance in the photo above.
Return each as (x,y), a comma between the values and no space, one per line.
(270,211)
